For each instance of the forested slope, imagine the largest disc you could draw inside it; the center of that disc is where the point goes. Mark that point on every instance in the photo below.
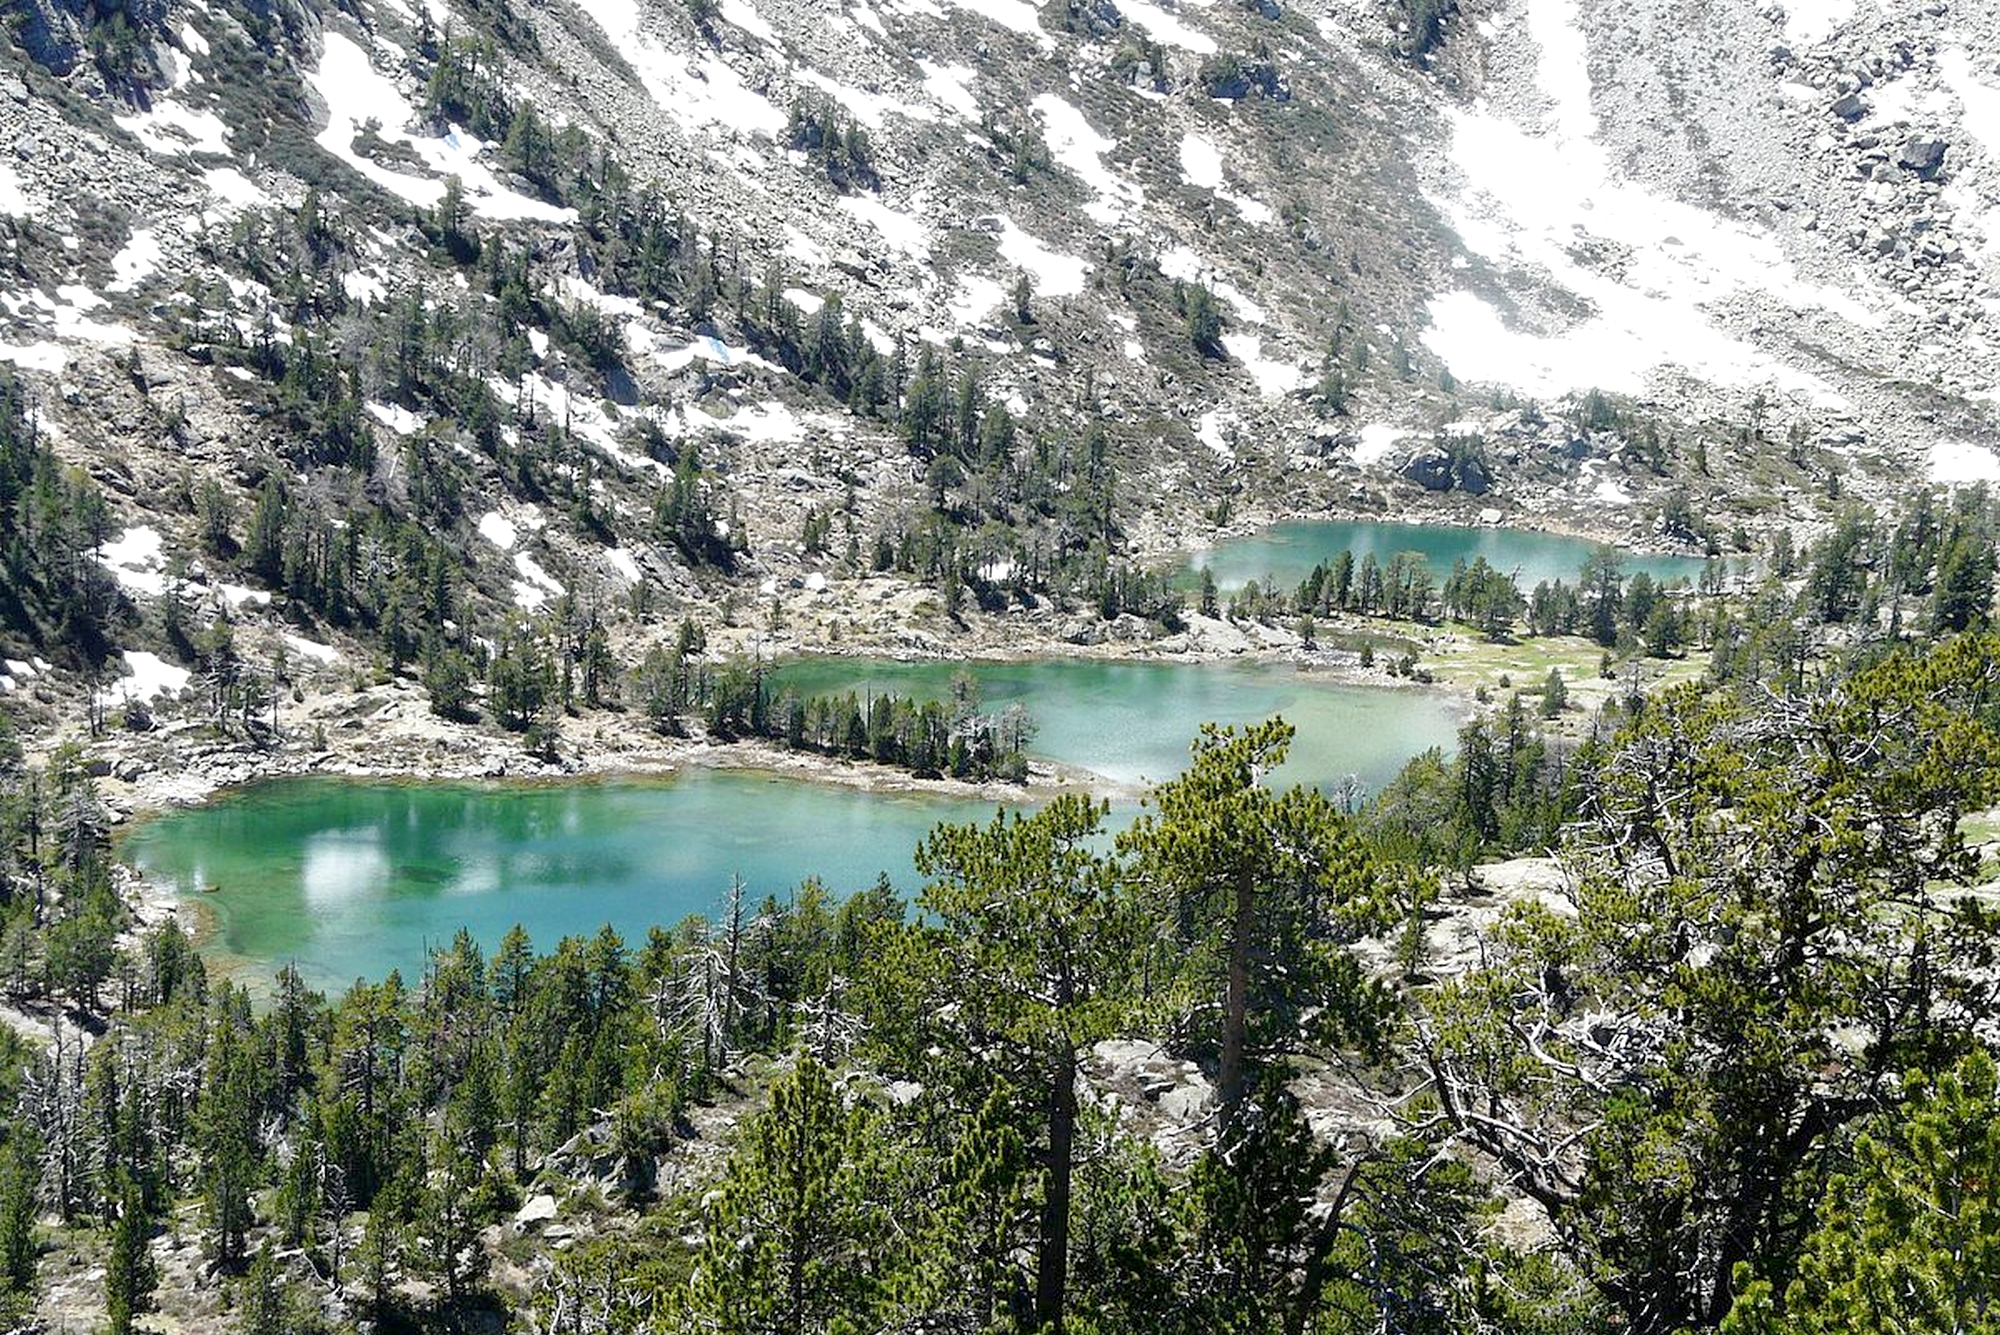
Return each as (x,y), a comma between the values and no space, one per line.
(1229,1070)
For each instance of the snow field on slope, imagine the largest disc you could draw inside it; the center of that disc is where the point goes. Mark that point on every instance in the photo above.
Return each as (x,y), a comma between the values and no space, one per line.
(312,650)
(1080,149)
(1961,463)
(396,417)
(701,92)
(1377,439)
(171,129)
(1052,273)
(904,232)
(151,677)
(1528,198)
(13,199)
(357,94)
(1167,29)
(1273,378)
(535,586)
(1201,167)
(1808,22)
(871,109)
(1973,189)
(499,530)
(136,559)
(950,86)
(1201,162)
(745,16)
(1182,263)
(234,188)
(136,260)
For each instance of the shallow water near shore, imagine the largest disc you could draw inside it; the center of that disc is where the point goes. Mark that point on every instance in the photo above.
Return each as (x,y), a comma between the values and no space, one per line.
(350,878)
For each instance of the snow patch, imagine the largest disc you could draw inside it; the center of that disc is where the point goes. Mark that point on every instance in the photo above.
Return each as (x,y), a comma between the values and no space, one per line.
(1054,274)
(1273,378)
(239,596)
(745,16)
(804,249)
(976,295)
(1018,15)
(34,356)
(397,418)
(1167,28)
(138,258)
(950,86)
(310,649)
(1614,351)
(621,560)
(1211,431)
(234,188)
(871,109)
(1377,439)
(1079,149)
(363,289)
(136,559)
(765,423)
(151,677)
(1563,70)
(1809,22)
(904,232)
(701,90)
(1959,463)
(708,348)
(1529,199)
(497,529)
(536,586)
(1181,263)
(172,130)
(1201,162)
(1979,103)
(357,95)
(13,199)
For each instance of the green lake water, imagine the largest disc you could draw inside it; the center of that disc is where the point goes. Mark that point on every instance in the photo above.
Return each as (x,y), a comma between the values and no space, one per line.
(348,879)
(1132,722)
(1288,552)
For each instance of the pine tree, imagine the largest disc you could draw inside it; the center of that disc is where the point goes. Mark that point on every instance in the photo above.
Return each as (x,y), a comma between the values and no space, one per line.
(228,1135)
(129,1275)
(1038,941)
(263,1302)
(1260,890)
(1908,1241)
(20,1176)
(795,1227)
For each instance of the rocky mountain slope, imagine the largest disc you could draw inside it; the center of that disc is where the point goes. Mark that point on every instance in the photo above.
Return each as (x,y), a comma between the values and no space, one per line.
(501,270)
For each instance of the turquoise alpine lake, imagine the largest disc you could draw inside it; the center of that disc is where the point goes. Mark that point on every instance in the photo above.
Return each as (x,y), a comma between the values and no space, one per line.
(1131,722)
(348,879)
(1286,553)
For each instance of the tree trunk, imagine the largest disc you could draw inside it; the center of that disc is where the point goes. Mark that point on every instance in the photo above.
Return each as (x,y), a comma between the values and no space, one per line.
(1052,1270)
(1236,1004)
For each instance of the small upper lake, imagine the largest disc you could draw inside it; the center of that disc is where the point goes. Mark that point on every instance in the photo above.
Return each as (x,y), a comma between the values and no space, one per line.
(1288,552)
(349,879)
